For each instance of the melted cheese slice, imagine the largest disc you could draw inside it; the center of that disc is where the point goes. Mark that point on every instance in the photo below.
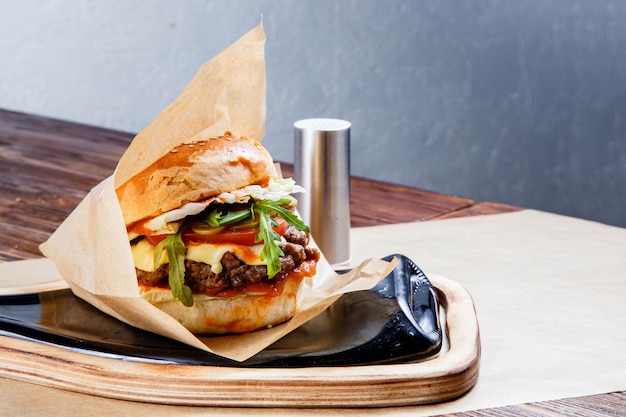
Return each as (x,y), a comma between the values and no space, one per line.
(209,253)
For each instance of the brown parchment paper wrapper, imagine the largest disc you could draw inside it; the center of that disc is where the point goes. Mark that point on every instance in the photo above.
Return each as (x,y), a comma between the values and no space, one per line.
(90,248)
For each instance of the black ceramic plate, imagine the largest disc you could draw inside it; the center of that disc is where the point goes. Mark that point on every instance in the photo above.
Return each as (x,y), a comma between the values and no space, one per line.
(395,322)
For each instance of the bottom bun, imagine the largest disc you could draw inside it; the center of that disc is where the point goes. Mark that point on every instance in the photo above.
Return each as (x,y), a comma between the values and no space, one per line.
(239,314)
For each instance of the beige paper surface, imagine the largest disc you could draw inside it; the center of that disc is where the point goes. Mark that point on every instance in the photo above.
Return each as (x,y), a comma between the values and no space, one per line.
(90,248)
(550,296)
(29,276)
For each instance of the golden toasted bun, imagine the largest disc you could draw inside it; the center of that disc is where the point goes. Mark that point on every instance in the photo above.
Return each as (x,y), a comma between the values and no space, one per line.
(239,314)
(193,172)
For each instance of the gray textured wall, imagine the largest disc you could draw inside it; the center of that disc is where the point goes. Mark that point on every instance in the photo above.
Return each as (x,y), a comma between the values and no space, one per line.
(520,102)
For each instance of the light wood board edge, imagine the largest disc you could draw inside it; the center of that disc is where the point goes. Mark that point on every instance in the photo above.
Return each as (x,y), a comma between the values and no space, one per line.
(445,377)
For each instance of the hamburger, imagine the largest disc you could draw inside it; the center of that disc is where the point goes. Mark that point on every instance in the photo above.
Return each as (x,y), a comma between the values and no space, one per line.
(215,238)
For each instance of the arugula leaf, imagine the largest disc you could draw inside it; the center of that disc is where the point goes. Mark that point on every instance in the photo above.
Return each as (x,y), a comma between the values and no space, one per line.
(175,248)
(219,217)
(286,214)
(271,252)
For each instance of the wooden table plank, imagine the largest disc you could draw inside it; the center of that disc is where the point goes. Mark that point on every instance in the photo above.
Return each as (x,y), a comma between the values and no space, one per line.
(480,209)
(602,405)
(47,166)
(376,202)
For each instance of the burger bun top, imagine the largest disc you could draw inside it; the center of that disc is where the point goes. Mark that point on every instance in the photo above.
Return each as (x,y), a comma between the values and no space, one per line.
(194,172)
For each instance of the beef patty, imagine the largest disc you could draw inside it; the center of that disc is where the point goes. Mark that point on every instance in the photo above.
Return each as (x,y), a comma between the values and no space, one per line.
(235,273)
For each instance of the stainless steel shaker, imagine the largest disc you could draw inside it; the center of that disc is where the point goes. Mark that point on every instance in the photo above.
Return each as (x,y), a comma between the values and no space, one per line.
(322,168)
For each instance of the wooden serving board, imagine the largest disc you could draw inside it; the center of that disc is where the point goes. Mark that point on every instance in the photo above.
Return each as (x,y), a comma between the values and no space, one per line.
(447,376)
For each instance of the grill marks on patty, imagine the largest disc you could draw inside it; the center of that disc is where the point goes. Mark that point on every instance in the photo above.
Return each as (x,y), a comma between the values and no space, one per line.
(235,273)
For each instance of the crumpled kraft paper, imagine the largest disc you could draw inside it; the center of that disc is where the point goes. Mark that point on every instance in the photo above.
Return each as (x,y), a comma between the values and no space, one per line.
(90,248)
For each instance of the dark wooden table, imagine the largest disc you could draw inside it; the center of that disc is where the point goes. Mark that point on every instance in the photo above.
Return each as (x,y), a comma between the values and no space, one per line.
(47,166)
